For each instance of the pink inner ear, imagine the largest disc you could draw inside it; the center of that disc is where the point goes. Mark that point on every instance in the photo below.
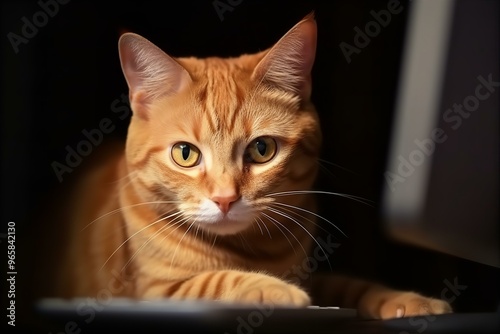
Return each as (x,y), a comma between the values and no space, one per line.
(128,61)
(308,30)
(150,73)
(289,62)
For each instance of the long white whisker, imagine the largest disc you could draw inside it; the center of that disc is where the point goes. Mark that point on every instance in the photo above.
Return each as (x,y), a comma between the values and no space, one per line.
(213,243)
(128,207)
(274,221)
(167,226)
(133,174)
(265,226)
(160,230)
(258,225)
(311,213)
(196,231)
(179,243)
(306,192)
(131,177)
(301,226)
(178,224)
(302,217)
(142,229)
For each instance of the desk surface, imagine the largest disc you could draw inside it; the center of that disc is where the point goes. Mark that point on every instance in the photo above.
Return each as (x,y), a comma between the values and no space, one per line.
(195,317)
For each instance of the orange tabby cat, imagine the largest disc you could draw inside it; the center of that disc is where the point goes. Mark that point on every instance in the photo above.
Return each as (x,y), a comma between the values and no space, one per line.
(212,199)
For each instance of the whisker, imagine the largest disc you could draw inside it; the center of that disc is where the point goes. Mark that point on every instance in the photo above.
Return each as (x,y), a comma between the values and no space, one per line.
(258,225)
(213,243)
(179,224)
(311,213)
(338,166)
(301,226)
(142,229)
(306,192)
(274,221)
(128,207)
(179,243)
(264,224)
(133,173)
(202,233)
(163,228)
(244,246)
(302,217)
(131,176)
(160,230)
(196,231)
(326,170)
(245,242)
(126,184)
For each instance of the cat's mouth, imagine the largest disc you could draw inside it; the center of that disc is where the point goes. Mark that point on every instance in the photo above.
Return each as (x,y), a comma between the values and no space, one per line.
(227,226)
(237,219)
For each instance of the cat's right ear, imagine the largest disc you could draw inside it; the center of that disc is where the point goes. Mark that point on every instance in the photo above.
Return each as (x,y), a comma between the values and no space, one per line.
(288,64)
(150,73)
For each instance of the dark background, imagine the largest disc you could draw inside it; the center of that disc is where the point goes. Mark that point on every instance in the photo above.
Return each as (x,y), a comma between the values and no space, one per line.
(67,76)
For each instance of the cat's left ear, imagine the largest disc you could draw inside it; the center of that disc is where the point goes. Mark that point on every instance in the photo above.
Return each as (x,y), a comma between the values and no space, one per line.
(288,64)
(150,73)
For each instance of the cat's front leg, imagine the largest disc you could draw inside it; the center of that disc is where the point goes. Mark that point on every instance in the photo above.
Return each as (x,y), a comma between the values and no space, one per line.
(232,286)
(373,300)
(384,303)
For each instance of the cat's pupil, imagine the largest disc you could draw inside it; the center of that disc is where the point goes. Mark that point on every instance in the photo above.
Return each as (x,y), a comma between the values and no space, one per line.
(185,151)
(261,147)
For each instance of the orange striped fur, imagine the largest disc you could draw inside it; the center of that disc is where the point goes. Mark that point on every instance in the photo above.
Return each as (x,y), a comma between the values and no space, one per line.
(218,229)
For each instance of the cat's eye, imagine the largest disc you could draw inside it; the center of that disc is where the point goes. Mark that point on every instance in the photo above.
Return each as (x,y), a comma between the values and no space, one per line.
(261,150)
(185,154)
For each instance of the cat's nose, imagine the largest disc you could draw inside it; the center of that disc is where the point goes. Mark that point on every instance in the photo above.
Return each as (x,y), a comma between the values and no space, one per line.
(224,201)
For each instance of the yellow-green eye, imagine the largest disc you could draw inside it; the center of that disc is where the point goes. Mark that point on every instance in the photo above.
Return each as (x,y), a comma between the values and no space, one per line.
(261,150)
(185,154)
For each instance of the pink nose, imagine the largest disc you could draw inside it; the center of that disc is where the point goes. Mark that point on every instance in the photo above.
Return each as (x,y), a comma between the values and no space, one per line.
(224,202)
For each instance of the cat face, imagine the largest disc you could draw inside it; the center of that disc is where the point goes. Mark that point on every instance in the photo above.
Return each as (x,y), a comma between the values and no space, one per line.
(219,136)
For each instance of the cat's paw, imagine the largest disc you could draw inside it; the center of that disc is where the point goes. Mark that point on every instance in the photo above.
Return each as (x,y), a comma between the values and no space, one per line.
(276,293)
(408,304)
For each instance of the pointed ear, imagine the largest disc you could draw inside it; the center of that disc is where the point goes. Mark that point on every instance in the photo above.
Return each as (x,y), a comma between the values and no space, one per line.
(287,65)
(150,73)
